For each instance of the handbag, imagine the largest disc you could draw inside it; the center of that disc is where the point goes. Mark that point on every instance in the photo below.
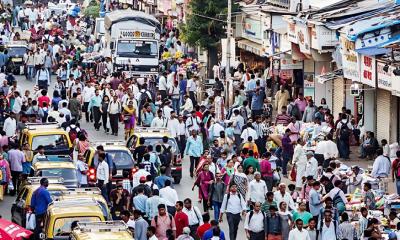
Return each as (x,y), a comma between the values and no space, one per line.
(293,174)
(30,221)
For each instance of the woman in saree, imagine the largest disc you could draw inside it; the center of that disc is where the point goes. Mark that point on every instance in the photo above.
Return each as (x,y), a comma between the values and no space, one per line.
(203,181)
(129,119)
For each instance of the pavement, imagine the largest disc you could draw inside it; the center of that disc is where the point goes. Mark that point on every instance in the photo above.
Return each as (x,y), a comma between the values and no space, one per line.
(184,189)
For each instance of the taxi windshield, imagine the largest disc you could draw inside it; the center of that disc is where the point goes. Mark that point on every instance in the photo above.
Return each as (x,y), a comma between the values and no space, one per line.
(16,51)
(121,158)
(62,226)
(154,141)
(68,174)
(54,141)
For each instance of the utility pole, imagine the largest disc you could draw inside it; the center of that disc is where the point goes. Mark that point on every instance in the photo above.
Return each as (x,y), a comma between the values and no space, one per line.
(228,54)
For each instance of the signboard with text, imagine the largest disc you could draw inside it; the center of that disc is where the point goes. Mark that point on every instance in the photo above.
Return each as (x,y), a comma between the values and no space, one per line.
(367,70)
(303,37)
(350,63)
(385,78)
(322,38)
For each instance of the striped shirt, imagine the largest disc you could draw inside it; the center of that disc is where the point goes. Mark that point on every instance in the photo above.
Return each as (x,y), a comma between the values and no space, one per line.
(283,119)
(346,231)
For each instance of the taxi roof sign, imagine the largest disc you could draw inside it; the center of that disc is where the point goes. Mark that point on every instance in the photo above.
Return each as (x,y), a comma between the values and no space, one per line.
(151,129)
(89,190)
(52,180)
(107,226)
(34,126)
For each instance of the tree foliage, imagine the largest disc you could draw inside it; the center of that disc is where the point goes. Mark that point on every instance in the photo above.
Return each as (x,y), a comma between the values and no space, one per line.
(201,30)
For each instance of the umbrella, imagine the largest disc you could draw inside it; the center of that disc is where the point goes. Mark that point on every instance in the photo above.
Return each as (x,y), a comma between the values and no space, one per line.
(12,231)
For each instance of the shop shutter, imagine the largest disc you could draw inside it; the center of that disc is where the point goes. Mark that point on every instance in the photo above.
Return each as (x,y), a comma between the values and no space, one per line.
(338,96)
(382,115)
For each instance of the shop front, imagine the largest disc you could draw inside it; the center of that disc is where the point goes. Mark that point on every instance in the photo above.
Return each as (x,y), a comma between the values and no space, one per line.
(387,104)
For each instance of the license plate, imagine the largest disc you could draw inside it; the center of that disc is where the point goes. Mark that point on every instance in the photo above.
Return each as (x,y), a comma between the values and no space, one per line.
(16,59)
(119,172)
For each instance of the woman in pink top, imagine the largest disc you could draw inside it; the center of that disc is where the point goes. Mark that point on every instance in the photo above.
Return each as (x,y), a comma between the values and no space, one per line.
(294,127)
(203,181)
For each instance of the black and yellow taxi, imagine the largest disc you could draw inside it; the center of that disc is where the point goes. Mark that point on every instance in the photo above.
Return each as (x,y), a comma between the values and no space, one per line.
(154,136)
(85,193)
(62,214)
(53,138)
(101,231)
(22,204)
(65,170)
(120,156)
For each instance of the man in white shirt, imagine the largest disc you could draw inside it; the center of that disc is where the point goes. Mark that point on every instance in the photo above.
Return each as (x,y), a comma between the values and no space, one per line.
(282,195)
(114,110)
(167,109)
(18,102)
(327,148)
(233,204)
(311,166)
(328,228)
(162,85)
(249,132)
(173,125)
(298,233)
(382,164)
(194,216)
(87,93)
(82,169)
(159,121)
(191,89)
(255,223)
(170,195)
(258,189)
(102,175)
(10,125)
(187,107)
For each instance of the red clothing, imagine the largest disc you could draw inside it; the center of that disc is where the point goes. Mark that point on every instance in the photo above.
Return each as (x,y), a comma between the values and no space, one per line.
(396,168)
(43,99)
(181,221)
(266,170)
(202,229)
(199,114)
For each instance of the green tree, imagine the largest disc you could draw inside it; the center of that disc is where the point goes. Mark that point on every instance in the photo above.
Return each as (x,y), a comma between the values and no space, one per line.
(203,28)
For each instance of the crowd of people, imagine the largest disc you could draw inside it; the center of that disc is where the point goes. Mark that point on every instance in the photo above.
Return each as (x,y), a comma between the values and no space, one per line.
(239,165)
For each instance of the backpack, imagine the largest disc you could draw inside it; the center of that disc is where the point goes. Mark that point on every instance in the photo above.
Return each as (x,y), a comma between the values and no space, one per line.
(329,186)
(156,219)
(73,133)
(3,175)
(252,213)
(295,111)
(345,131)
(166,154)
(143,98)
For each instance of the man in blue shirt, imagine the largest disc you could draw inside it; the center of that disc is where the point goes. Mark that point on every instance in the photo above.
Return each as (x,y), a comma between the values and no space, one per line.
(213,231)
(194,148)
(94,106)
(40,200)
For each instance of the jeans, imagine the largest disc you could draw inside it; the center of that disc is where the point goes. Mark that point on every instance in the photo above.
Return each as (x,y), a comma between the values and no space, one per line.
(15,181)
(194,161)
(269,181)
(104,117)
(286,157)
(175,105)
(233,222)
(398,186)
(97,117)
(182,143)
(30,72)
(217,209)
(344,149)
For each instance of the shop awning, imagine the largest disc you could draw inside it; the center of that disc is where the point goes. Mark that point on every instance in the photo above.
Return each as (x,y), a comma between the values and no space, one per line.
(372,51)
(251,47)
(329,76)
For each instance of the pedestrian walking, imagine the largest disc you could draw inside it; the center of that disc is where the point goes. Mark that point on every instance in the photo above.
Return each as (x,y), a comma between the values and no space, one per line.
(194,148)
(94,106)
(163,222)
(194,216)
(255,223)
(114,112)
(39,202)
(102,175)
(233,205)
(16,158)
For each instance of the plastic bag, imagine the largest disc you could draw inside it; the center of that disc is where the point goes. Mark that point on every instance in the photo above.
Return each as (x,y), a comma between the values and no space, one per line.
(30,221)
(11,186)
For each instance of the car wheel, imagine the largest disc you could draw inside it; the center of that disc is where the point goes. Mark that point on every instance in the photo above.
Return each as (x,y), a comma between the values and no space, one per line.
(177,180)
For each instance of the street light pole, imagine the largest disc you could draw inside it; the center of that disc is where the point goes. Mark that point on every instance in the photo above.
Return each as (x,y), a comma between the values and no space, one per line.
(228,54)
